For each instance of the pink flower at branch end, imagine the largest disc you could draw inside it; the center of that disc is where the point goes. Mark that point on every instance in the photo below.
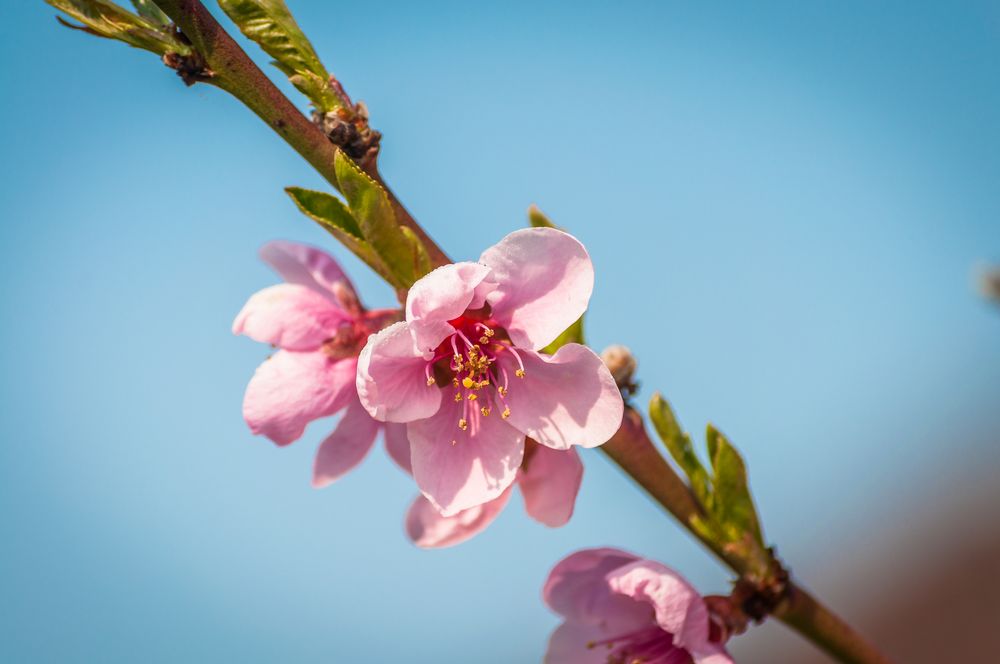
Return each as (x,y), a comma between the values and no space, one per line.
(621,609)
(549,481)
(319,326)
(465,372)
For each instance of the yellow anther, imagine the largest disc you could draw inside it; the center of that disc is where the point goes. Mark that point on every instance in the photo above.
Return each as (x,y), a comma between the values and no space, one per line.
(458,397)
(463,424)
(472,397)
(485,411)
(519,373)
(484,339)
(502,390)
(454,381)
(467,383)
(506,413)
(430,381)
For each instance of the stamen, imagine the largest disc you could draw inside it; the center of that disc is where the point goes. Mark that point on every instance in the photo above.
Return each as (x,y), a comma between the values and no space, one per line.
(506,412)
(463,424)
(485,411)
(468,383)
(458,397)
(472,397)
(520,371)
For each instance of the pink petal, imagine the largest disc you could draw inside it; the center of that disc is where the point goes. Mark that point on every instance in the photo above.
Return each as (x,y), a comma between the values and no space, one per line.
(550,482)
(564,399)
(346,447)
(310,267)
(679,608)
(289,316)
(544,279)
(482,462)
(718,656)
(429,529)
(397,445)
(291,389)
(577,589)
(391,380)
(568,645)
(445,293)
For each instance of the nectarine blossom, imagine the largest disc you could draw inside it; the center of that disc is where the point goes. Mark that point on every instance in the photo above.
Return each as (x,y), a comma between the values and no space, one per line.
(549,481)
(318,325)
(465,370)
(621,609)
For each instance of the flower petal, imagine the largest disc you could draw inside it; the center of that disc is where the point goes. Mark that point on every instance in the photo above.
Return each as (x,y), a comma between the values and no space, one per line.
(445,293)
(397,445)
(577,589)
(550,481)
(482,462)
(313,268)
(429,529)
(568,645)
(346,447)
(291,389)
(564,399)
(391,380)
(717,656)
(289,316)
(679,608)
(544,280)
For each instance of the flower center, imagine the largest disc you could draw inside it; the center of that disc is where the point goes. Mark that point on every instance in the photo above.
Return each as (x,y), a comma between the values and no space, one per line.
(468,359)
(647,645)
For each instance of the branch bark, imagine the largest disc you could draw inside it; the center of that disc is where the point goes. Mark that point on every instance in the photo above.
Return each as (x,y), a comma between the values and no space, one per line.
(238,75)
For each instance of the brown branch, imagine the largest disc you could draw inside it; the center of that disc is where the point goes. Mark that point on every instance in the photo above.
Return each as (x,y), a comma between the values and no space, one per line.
(637,455)
(238,75)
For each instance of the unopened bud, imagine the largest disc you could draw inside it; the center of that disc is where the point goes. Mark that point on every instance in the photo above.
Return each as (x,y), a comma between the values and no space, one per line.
(622,364)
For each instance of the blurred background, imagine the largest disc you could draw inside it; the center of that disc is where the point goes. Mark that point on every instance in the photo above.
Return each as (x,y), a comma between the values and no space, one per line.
(787,204)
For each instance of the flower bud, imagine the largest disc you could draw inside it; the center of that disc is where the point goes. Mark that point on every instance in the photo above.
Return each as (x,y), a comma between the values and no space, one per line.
(622,364)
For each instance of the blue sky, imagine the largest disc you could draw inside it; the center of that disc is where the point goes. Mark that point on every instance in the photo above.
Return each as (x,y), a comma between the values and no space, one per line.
(786,204)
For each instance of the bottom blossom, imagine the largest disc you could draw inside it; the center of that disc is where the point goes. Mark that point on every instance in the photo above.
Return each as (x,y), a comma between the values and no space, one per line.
(621,609)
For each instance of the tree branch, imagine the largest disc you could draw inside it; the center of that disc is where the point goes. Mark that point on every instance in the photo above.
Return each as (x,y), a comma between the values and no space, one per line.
(238,75)
(636,454)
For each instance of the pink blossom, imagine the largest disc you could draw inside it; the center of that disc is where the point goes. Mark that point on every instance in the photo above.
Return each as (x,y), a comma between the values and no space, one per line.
(465,372)
(549,481)
(621,609)
(318,325)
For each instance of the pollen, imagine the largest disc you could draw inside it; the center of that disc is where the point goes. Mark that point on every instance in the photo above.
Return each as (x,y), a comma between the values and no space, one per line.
(506,413)
(519,373)
(472,397)
(468,383)
(502,390)
(463,424)
(485,411)
(430,382)
(458,397)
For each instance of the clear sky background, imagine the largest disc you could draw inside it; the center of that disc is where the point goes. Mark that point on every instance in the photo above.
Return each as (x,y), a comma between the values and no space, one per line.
(786,205)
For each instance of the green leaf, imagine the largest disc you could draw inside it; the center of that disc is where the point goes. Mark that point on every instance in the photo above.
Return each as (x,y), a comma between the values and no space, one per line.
(732,505)
(148,9)
(538,219)
(271,25)
(370,206)
(421,259)
(330,213)
(571,335)
(105,19)
(679,445)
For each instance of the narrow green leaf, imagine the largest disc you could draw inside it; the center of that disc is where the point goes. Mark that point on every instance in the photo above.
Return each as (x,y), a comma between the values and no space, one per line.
(538,219)
(571,335)
(271,25)
(330,213)
(148,9)
(106,19)
(733,505)
(421,259)
(679,445)
(370,206)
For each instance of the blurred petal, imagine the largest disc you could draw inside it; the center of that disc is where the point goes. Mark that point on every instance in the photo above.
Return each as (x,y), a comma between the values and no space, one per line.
(291,389)
(289,316)
(544,281)
(429,529)
(398,445)
(564,399)
(310,267)
(346,447)
(568,645)
(478,467)
(550,482)
(577,589)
